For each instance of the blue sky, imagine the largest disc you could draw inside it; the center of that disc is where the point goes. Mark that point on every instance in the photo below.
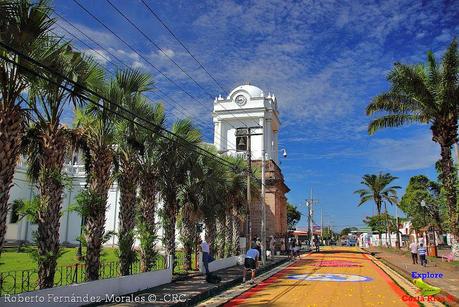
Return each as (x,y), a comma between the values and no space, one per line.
(324,60)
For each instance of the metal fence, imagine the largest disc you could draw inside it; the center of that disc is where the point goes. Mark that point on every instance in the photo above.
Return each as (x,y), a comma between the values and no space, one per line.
(15,282)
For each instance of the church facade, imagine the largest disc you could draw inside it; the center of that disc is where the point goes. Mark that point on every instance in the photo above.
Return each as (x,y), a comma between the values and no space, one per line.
(246,122)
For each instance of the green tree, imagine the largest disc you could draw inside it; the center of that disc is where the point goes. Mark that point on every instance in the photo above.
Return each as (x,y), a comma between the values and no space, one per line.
(378,190)
(426,93)
(176,158)
(237,200)
(130,84)
(347,231)
(148,189)
(48,141)
(419,189)
(96,127)
(381,223)
(293,216)
(25,27)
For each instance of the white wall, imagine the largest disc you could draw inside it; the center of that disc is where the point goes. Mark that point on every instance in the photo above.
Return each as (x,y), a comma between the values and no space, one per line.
(221,263)
(25,190)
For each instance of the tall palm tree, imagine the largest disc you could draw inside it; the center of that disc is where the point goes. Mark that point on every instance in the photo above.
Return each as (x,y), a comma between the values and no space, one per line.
(426,93)
(148,184)
(49,140)
(190,204)
(237,198)
(98,138)
(132,84)
(24,25)
(378,190)
(176,158)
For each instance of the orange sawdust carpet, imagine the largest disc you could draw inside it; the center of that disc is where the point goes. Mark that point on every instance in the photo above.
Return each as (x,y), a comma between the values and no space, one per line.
(337,276)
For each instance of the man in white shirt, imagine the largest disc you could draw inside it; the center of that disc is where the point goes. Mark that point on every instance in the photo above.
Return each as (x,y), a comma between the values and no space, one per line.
(250,262)
(414,252)
(205,255)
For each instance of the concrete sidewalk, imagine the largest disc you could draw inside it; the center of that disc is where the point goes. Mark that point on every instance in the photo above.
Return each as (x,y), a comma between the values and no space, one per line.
(404,265)
(189,291)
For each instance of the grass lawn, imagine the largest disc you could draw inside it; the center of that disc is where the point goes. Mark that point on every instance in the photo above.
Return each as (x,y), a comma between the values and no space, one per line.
(18,269)
(11,260)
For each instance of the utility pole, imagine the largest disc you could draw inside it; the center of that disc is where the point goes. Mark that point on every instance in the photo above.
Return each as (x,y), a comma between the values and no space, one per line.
(321,224)
(246,132)
(249,196)
(263,209)
(310,203)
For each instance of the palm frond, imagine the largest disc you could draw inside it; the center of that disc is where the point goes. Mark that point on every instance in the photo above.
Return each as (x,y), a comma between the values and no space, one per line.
(394,120)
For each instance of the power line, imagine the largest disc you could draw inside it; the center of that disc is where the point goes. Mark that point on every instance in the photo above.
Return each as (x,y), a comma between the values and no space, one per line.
(156,129)
(127,66)
(181,43)
(146,60)
(158,47)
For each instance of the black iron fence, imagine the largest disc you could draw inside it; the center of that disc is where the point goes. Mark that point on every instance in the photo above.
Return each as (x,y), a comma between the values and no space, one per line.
(15,282)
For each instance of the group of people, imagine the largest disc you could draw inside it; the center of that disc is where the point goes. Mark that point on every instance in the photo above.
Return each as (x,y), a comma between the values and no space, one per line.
(293,249)
(420,251)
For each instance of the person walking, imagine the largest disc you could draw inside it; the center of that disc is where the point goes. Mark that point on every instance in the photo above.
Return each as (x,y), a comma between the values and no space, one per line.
(272,247)
(414,252)
(250,263)
(258,248)
(422,251)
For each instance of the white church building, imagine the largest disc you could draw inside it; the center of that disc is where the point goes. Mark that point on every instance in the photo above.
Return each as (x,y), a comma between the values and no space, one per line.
(246,106)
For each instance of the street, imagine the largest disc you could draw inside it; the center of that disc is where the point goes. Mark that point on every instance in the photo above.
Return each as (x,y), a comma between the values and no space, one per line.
(336,276)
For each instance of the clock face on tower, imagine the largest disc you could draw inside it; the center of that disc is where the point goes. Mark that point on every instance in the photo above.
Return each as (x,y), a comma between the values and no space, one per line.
(241,100)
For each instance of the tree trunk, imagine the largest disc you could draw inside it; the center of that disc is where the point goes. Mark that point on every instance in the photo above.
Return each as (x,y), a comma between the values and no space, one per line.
(128,191)
(11,130)
(236,224)
(221,222)
(169,220)
(147,212)
(378,208)
(211,231)
(388,233)
(445,134)
(99,182)
(187,234)
(229,234)
(51,186)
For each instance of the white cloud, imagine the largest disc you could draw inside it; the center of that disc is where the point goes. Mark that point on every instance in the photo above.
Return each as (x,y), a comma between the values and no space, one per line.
(415,153)
(166,52)
(100,56)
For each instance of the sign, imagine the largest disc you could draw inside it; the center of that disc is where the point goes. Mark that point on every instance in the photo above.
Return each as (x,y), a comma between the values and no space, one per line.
(331,277)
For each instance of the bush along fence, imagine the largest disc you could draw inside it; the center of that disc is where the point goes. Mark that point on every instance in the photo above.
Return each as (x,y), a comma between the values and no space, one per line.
(19,281)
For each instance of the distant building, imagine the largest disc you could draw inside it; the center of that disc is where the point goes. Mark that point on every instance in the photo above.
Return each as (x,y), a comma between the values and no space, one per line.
(248,106)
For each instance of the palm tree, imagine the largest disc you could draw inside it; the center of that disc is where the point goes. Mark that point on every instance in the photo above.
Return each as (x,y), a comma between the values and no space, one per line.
(148,183)
(131,84)
(429,94)
(24,26)
(48,141)
(378,190)
(176,157)
(237,198)
(190,203)
(98,138)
